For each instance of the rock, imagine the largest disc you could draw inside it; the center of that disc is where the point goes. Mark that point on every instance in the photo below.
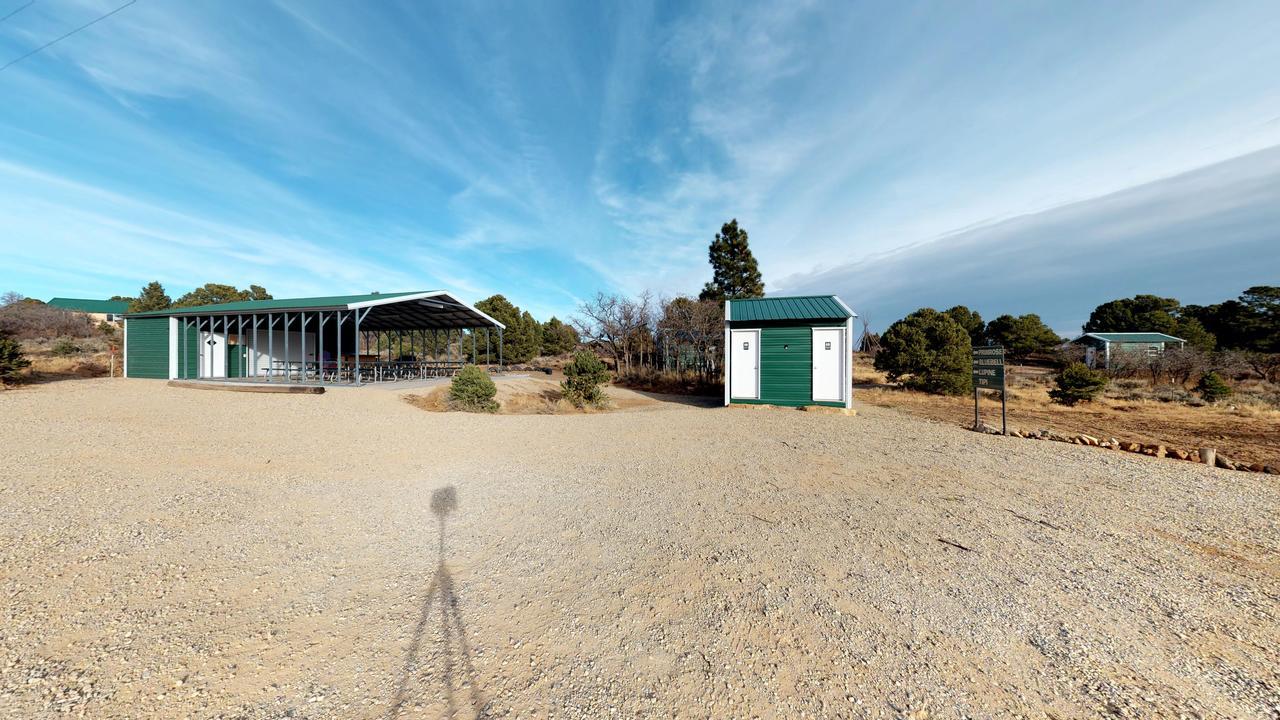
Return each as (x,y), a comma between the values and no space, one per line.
(1225,463)
(1271,470)
(1256,467)
(1174,452)
(1132,447)
(1089,440)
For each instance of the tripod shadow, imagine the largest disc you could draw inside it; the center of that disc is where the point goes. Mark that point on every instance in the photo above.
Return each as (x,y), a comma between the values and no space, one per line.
(457,675)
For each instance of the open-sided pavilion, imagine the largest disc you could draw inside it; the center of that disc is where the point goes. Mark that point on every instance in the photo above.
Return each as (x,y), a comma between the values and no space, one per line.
(347,339)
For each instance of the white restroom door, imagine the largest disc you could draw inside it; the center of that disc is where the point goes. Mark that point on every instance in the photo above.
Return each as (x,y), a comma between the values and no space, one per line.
(744,364)
(214,348)
(828,364)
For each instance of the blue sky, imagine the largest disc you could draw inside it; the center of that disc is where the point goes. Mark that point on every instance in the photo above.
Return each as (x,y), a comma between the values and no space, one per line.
(898,154)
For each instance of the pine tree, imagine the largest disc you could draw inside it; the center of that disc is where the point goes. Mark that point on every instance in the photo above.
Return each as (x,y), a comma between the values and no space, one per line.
(734,273)
(522,337)
(152,297)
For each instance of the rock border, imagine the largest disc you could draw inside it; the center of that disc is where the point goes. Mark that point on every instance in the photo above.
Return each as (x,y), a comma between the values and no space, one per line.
(1202,456)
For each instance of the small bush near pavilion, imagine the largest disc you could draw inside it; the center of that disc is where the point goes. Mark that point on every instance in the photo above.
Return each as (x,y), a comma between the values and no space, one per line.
(1212,387)
(473,391)
(1077,383)
(583,377)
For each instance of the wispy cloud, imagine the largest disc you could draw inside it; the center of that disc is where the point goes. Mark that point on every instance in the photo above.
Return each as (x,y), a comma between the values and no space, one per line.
(547,150)
(1202,236)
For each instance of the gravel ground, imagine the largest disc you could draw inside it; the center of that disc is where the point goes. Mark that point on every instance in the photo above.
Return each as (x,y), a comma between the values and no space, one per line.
(181,553)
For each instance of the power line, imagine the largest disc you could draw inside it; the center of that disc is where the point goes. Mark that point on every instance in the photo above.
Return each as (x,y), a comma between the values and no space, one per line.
(15,12)
(60,38)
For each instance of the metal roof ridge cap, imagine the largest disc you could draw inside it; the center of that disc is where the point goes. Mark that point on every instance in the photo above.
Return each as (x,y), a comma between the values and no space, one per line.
(395,298)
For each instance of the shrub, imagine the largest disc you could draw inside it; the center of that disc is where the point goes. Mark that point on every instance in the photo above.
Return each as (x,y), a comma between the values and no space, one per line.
(1077,383)
(583,377)
(64,347)
(1212,387)
(930,350)
(473,391)
(12,361)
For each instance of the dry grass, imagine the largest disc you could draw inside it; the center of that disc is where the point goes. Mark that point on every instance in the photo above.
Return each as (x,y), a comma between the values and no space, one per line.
(1244,428)
(92,361)
(537,395)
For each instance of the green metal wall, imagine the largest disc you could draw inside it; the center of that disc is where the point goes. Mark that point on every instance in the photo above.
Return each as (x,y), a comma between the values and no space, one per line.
(147,345)
(786,363)
(190,348)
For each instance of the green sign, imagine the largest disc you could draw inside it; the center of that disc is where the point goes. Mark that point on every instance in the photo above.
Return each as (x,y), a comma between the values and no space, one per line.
(988,367)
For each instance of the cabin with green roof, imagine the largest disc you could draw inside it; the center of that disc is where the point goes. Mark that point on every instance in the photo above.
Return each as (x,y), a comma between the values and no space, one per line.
(1100,348)
(791,351)
(99,310)
(348,339)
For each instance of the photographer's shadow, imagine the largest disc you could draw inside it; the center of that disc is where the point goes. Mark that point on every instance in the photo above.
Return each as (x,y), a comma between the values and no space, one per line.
(456,676)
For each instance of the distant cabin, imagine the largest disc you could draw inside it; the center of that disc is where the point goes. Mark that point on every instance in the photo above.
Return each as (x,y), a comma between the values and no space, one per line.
(1100,348)
(97,310)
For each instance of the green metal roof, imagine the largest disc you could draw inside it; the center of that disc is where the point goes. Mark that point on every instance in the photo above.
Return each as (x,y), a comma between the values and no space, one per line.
(804,307)
(1132,337)
(90,306)
(278,304)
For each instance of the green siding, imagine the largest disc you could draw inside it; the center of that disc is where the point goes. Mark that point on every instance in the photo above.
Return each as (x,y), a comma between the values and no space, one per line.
(189,348)
(786,363)
(147,345)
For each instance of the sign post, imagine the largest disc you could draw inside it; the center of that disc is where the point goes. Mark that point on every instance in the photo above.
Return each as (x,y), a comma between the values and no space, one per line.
(988,373)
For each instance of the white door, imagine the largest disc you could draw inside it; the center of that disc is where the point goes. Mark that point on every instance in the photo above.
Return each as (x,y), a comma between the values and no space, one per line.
(744,364)
(828,364)
(213,347)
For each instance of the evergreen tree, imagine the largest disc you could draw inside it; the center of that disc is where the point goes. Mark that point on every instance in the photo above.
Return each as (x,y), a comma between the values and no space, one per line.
(1077,383)
(734,273)
(218,294)
(1020,336)
(152,297)
(930,351)
(1212,387)
(522,337)
(12,360)
(557,337)
(583,377)
(970,320)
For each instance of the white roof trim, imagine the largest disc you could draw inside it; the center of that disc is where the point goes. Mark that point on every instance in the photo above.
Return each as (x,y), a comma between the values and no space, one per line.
(843,305)
(1098,336)
(391,300)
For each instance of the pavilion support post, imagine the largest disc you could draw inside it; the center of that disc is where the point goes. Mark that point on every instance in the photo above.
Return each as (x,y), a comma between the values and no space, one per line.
(271,344)
(253,362)
(338,327)
(303,319)
(474,359)
(500,344)
(287,377)
(488,352)
(355,379)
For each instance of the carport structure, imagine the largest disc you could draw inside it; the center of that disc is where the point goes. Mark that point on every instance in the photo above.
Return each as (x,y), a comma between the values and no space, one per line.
(347,339)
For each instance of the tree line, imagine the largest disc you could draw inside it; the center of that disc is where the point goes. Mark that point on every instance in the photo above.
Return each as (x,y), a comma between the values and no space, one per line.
(930,350)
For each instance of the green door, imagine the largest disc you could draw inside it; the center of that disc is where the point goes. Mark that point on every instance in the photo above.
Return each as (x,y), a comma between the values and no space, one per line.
(237,360)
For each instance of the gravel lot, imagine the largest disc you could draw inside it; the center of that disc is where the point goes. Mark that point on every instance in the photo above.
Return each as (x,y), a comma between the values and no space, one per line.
(184,553)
